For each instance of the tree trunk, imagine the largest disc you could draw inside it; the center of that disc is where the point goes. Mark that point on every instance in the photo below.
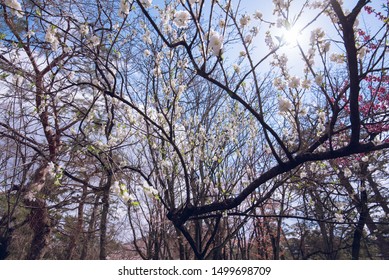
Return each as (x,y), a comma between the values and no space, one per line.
(41,226)
(39,218)
(5,240)
(89,235)
(78,229)
(356,246)
(103,224)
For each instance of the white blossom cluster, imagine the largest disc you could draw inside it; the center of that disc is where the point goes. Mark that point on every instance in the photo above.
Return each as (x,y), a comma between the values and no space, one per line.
(94,40)
(51,37)
(258,15)
(215,42)
(321,128)
(84,29)
(244,20)
(319,80)
(121,190)
(337,58)
(317,36)
(146,3)
(146,38)
(181,19)
(269,41)
(317,40)
(284,104)
(281,61)
(236,68)
(149,190)
(347,172)
(294,82)
(167,15)
(280,6)
(248,39)
(124,9)
(16,8)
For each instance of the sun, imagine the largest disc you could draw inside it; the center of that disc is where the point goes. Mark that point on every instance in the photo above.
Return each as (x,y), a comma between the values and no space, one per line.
(291,35)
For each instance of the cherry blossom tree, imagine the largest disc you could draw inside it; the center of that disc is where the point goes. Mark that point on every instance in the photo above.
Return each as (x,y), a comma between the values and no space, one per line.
(293,136)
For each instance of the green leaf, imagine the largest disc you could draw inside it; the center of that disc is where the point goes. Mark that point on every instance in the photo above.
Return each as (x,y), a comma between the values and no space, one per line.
(3,76)
(91,148)
(135,203)
(57,183)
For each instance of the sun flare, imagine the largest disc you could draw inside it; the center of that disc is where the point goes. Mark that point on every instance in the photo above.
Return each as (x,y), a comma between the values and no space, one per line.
(291,35)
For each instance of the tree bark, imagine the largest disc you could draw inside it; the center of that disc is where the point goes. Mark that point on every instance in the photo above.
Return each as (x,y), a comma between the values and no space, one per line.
(103,224)
(41,226)
(78,229)
(89,235)
(39,218)
(358,232)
